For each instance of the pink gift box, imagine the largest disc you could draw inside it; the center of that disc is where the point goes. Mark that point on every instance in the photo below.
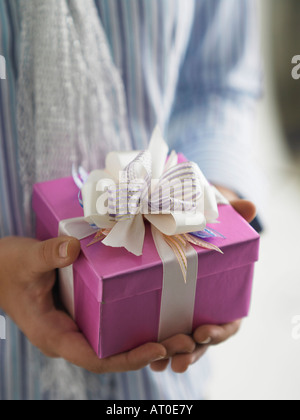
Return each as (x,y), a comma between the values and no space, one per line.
(117,296)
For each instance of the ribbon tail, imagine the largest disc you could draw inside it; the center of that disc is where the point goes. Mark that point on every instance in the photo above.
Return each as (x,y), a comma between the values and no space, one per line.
(98,238)
(129,233)
(221,200)
(178,297)
(179,250)
(78,228)
(203,244)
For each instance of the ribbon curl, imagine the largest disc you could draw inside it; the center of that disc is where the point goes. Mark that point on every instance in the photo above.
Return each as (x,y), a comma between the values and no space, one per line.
(175,198)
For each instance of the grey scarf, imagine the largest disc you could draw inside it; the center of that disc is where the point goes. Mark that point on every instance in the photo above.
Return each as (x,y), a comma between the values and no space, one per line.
(71,110)
(71,102)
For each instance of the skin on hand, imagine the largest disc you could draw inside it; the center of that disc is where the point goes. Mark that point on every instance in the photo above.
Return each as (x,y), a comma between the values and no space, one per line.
(27,278)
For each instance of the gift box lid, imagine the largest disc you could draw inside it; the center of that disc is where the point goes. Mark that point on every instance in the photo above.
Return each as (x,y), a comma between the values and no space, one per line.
(114,273)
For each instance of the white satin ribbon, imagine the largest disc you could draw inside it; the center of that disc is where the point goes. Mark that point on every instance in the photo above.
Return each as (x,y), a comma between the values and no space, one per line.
(77,228)
(178,297)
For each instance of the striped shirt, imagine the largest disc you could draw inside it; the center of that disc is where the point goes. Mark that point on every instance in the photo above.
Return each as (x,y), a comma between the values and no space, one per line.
(202,79)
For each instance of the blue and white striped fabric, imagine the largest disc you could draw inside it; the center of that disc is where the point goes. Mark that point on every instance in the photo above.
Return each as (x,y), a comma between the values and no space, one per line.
(205,84)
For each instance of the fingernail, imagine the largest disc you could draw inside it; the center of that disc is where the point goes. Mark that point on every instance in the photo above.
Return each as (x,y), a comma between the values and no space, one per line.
(158,358)
(63,250)
(207,341)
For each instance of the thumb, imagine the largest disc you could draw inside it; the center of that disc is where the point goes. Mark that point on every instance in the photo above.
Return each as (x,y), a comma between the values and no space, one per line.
(245,208)
(52,254)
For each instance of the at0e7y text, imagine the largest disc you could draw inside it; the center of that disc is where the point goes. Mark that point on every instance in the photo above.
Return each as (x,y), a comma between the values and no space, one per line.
(173,409)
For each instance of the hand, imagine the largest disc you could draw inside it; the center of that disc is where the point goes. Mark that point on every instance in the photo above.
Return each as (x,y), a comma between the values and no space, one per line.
(246,208)
(183,350)
(27,278)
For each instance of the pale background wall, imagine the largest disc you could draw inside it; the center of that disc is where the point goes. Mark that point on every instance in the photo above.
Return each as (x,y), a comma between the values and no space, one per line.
(263,360)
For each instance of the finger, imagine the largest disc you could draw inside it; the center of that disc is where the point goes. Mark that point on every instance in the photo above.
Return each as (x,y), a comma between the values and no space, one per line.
(181,362)
(74,348)
(180,343)
(160,365)
(46,256)
(82,355)
(136,359)
(245,208)
(64,340)
(216,334)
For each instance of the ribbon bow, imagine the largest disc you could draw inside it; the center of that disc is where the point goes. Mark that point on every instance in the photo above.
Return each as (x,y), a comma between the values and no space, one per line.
(174,197)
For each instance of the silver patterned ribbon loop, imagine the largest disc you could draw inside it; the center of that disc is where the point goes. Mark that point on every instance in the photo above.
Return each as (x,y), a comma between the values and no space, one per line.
(179,190)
